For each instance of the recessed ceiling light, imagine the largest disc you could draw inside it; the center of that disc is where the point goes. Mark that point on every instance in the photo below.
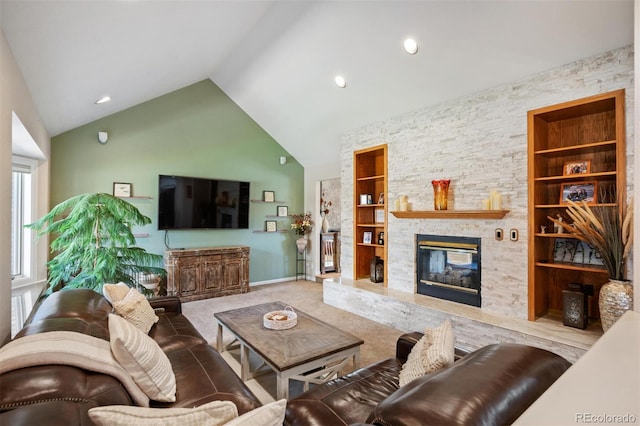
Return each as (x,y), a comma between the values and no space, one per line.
(103,99)
(410,46)
(340,81)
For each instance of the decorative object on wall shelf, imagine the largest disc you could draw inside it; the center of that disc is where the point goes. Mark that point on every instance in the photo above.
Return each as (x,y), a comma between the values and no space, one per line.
(402,203)
(268,196)
(121,189)
(583,191)
(451,214)
(283,211)
(271,226)
(440,193)
(366,237)
(575,167)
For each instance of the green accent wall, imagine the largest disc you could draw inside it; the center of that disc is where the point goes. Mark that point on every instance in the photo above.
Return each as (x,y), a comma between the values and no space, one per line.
(195,131)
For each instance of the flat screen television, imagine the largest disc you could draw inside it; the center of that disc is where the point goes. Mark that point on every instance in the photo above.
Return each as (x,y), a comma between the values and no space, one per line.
(201,203)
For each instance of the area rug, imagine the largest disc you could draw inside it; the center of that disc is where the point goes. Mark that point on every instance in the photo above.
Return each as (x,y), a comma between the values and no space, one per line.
(379,340)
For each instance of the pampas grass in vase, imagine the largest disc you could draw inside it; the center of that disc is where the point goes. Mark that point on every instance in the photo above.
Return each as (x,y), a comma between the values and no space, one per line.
(610,231)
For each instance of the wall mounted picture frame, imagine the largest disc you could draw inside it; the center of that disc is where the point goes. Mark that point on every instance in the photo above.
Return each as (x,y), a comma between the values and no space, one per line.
(366,237)
(578,192)
(122,189)
(271,225)
(576,167)
(268,196)
(283,211)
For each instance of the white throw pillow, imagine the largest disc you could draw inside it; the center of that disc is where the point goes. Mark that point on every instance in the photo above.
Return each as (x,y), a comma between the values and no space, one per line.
(143,359)
(434,351)
(271,414)
(136,309)
(115,292)
(214,413)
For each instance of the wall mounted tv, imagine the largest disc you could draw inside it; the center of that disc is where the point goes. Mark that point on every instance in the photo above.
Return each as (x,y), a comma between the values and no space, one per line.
(200,203)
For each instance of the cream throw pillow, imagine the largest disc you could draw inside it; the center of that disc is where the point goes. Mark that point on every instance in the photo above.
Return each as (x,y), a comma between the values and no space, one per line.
(143,359)
(211,414)
(136,309)
(115,292)
(434,351)
(271,414)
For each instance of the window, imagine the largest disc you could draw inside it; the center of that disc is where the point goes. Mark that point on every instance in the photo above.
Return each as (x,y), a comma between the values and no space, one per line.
(24,282)
(21,214)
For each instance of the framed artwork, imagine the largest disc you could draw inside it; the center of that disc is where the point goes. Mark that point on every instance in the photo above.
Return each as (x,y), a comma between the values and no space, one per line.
(381,198)
(271,226)
(577,192)
(283,211)
(571,250)
(121,189)
(576,167)
(366,237)
(364,199)
(379,215)
(268,196)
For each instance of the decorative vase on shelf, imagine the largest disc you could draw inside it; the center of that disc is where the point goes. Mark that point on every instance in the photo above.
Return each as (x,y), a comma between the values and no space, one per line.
(325,224)
(440,193)
(301,243)
(616,298)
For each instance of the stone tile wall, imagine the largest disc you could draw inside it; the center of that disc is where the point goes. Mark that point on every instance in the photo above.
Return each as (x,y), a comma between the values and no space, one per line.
(480,143)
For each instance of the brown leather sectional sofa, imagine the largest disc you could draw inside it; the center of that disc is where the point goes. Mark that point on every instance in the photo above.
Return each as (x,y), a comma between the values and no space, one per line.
(62,395)
(491,386)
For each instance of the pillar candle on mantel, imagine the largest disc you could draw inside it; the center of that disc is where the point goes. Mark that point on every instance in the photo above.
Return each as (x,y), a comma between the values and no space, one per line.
(495,200)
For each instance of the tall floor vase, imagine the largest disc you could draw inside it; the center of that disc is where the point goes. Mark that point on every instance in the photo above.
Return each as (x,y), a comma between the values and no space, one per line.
(616,298)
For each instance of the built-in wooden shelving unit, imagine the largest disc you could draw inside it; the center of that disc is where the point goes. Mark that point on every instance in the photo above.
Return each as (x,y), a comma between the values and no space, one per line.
(589,130)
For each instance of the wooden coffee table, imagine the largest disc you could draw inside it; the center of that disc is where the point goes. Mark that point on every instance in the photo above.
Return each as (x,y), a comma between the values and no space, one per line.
(311,352)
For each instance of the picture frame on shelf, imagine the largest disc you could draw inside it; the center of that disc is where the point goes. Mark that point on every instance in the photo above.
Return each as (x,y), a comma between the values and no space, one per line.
(268,196)
(381,198)
(379,216)
(122,189)
(283,211)
(577,192)
(271,226)
(364,199)
(576,167)
(366,237)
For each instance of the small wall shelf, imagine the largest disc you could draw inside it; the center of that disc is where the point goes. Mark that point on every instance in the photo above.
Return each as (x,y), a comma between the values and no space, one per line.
(450,214)
(267,202)
(281,231)
(136,197)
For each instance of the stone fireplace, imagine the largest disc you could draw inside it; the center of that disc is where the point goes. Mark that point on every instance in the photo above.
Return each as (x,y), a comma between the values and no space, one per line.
(448,267)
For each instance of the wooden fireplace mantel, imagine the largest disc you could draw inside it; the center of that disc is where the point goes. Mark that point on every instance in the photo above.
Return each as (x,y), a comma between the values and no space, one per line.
(450,214)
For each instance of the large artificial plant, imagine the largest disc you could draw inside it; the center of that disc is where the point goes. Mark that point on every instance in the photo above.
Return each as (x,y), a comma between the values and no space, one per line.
(94,244)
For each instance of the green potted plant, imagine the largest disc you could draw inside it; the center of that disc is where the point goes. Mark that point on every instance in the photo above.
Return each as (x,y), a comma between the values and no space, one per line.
(610,232)
(93,243)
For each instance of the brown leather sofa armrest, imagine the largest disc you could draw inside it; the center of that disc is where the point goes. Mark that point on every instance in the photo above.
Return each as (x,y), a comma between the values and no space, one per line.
(166,304)
(405,343)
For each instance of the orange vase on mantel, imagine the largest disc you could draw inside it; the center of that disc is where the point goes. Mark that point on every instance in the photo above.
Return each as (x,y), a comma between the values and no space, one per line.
(440,193)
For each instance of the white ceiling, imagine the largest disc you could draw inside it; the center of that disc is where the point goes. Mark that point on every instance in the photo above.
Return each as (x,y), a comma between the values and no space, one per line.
(277,59)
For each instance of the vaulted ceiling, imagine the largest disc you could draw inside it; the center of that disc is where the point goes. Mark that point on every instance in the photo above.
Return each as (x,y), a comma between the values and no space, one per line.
(277,59)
